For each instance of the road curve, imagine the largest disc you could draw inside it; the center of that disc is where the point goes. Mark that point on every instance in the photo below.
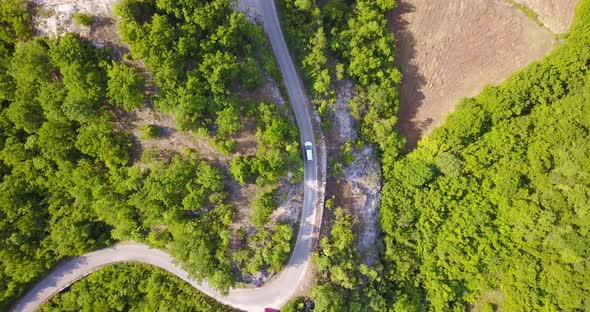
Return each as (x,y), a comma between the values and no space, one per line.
(274,293)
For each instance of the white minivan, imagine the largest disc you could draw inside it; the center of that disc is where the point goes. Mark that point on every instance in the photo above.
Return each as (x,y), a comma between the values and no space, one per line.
(308,151)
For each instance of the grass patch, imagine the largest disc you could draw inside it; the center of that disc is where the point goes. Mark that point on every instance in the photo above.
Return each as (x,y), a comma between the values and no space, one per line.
(527,11)
(149,132)
(83,19)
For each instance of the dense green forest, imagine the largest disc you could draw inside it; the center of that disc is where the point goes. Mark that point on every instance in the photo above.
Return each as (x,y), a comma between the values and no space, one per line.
(69,182)
(354,35)
(132,287)
(492,209)
(200,53)
(333,40)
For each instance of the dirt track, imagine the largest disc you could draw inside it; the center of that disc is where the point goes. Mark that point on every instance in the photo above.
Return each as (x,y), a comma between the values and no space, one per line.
(452,49)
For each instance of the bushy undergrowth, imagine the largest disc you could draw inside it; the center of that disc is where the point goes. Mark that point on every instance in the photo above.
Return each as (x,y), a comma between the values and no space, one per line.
(496,200)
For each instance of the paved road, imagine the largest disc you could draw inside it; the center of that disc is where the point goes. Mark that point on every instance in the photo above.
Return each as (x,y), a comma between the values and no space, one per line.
(274,293)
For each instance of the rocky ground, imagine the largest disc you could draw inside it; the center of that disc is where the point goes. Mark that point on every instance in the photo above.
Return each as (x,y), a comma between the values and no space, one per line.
(359,185)
(54,18)
(249,8)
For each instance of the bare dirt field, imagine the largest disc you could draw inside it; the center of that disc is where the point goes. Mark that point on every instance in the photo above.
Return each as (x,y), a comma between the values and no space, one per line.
(448,50)
(557,15)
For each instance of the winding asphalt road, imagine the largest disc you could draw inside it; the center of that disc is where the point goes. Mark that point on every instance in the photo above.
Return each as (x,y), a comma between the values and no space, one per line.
(274,293)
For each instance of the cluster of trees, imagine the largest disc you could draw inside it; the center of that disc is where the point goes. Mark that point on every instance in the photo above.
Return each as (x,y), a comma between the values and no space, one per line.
(264,204)
(126,86)
(277,149)
(491,209)
(132,287)
(298,304)
(355,32)
(496,201)
(344,282)
(354,35)
(52,128)
(367,50)
(200,53)
(307,39)
(67,185)
(266,250)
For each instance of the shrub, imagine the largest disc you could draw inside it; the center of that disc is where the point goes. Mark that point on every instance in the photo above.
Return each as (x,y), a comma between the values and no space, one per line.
(125,87)
(83,19)
(149,132)
(264,205)
(240,169)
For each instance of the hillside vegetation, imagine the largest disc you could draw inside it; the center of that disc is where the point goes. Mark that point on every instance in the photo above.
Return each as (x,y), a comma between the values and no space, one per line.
(354,33)
(132,287)
(333,40)
(69,182)
(491,210)
(497,199)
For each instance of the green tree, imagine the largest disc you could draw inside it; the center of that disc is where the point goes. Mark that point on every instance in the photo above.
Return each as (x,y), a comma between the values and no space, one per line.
(250,74)
(228,121)
(315,62)
(15,21)
(126,86)
(489,202)
(240,169)
(147,289)
(218,69)
(102,141)
(264,205)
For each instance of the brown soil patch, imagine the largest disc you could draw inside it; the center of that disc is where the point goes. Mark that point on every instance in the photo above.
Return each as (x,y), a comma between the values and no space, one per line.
(341,192)
(452,49)
(555,14)
(170,139)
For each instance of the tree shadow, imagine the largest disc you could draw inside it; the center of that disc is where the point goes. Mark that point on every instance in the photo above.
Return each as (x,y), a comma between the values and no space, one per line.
(411,96)
(104,33)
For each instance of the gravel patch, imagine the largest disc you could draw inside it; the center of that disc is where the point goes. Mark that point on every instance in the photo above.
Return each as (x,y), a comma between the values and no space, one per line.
(364,178)
(250,8)
(54,18)
(344,123)
(290,198)
(363,175)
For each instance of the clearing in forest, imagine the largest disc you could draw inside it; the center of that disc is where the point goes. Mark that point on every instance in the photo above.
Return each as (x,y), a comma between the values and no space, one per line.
(448,50)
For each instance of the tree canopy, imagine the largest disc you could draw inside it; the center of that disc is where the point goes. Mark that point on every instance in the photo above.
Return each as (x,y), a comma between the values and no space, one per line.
(70,176)
(195,50)
(491,209)
(68,184)
(145,289)
(496,200)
